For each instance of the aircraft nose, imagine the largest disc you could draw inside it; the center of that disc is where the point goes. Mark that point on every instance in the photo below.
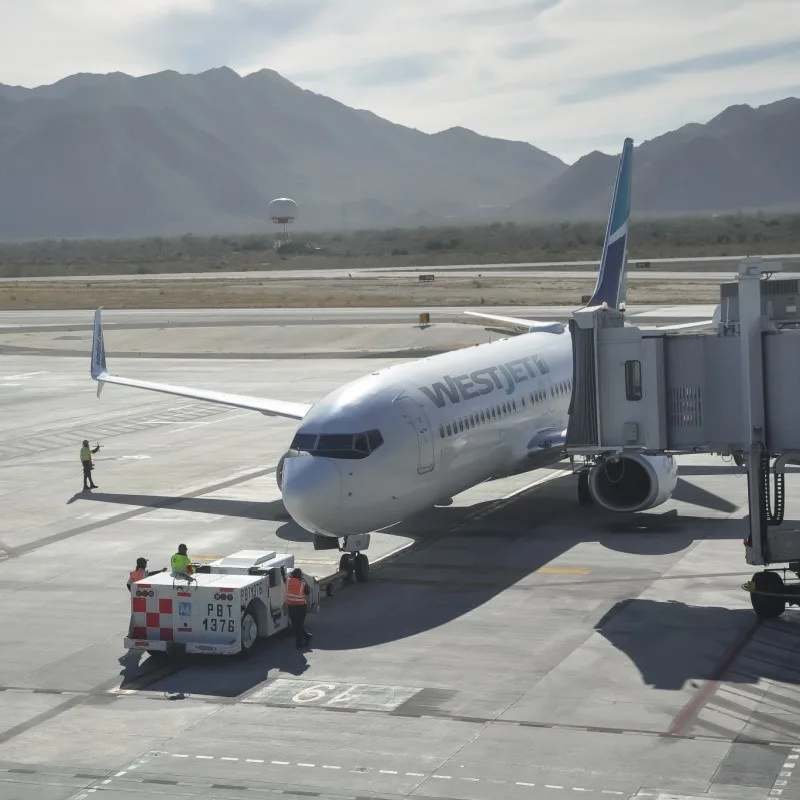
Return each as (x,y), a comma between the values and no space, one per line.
(311,489)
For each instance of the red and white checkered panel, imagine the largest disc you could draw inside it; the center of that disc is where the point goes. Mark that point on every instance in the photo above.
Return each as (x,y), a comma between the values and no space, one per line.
(151,617)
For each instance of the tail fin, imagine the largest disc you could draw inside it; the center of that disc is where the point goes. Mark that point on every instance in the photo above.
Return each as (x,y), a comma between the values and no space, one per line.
(610,284)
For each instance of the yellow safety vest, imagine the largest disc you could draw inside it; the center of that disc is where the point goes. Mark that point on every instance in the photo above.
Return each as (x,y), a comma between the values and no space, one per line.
(180,563)
(86,454)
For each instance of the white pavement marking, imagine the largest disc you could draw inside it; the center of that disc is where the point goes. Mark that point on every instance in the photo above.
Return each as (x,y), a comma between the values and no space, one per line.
(375,771)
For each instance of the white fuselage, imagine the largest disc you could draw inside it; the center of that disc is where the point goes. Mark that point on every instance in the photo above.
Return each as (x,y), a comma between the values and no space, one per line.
(443,424)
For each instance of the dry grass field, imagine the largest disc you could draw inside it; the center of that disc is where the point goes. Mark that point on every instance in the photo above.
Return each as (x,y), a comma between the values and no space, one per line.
(337,293)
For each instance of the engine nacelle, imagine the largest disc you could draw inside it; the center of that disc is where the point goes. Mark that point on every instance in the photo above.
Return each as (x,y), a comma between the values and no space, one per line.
(279,472)
(633,483)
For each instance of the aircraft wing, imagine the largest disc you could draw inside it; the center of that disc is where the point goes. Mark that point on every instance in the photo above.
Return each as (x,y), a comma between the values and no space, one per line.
(99,371)
(682,326)
(528,325)
(534,326)
(685,326)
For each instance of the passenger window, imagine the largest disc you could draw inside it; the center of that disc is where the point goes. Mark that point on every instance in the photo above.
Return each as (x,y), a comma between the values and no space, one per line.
(514,404)
(449,432)
(633,380)
(460,425)
(441,431)
(483,417)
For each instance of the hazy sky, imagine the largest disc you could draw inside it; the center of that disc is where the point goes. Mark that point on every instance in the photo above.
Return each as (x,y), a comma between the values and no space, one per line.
(567,75)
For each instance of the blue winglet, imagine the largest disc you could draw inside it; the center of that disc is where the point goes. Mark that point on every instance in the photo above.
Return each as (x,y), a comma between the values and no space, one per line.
(611,277)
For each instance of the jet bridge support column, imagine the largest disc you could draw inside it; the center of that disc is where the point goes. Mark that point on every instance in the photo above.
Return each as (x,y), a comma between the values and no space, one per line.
(753,417)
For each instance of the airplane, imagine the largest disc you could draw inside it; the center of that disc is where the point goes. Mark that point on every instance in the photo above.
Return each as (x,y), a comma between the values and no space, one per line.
(410,436)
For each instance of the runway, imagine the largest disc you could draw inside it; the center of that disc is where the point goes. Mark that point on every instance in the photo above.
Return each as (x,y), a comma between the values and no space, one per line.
(705,268)
(511,645)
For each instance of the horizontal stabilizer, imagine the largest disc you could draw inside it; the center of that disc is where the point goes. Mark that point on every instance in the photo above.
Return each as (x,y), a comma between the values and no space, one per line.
(99,371)
(527,325)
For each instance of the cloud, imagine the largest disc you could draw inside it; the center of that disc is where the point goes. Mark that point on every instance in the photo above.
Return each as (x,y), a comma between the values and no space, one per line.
(567,75)
(624,82)
(399,70)
(199,38)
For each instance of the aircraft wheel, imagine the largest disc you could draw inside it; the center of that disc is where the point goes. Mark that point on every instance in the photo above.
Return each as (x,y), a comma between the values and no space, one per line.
(766,606)
(362,567)
(584,495)
(346,565)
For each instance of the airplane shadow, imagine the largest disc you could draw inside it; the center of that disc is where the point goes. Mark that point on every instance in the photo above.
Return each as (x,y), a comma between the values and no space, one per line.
(272,510)
(463,559)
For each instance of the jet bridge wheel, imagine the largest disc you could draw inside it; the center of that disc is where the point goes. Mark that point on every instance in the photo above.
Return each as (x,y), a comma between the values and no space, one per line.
(767,594)
(584,495)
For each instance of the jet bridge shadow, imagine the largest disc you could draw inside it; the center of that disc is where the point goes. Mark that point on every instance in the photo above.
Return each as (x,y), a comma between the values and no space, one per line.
(724,644)
(465,558)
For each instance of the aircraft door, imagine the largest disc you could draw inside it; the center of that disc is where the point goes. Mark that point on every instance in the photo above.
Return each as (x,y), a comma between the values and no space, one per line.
(418,420)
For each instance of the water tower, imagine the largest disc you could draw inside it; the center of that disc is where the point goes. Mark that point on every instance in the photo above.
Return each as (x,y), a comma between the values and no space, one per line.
(282,212)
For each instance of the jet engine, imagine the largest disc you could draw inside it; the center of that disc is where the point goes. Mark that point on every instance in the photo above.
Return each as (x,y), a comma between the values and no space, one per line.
(633,483)
(279,471)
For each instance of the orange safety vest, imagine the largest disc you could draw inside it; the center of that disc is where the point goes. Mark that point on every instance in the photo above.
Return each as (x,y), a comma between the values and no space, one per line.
(136,575)
(294,592)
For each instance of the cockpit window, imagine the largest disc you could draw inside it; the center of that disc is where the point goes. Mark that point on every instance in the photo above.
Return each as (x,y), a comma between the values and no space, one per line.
(338,445)
(335,441)
(361,444)
(304,441)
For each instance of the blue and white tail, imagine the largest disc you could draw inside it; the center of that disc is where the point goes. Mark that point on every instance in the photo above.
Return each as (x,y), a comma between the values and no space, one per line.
(610,284)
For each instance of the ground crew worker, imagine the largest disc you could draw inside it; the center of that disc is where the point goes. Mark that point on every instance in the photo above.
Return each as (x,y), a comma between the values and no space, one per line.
(88,466)
(297,592)
(141,571)
(180,562)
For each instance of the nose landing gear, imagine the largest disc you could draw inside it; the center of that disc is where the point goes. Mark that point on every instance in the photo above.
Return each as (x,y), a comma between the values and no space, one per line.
(353,563)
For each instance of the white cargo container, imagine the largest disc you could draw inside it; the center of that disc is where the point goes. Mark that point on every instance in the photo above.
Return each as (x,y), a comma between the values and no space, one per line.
(224,608)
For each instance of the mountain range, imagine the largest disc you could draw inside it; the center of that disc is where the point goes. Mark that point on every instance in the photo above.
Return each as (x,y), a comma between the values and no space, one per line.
(167,154)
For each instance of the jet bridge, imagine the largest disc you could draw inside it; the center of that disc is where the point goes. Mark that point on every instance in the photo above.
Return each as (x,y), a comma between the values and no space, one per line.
(640,395)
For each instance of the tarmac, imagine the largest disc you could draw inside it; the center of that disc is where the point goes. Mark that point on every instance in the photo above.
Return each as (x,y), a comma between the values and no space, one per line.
(511,645)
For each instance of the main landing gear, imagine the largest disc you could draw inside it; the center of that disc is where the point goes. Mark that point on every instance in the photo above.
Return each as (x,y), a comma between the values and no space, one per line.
(353,563)
(770,593)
